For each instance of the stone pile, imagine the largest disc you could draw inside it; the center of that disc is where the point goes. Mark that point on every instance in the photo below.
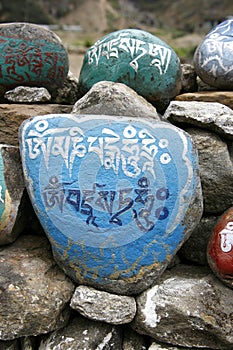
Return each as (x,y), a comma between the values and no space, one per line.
(188,305)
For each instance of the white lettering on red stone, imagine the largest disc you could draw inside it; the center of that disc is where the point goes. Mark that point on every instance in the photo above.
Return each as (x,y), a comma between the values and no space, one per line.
(227,237)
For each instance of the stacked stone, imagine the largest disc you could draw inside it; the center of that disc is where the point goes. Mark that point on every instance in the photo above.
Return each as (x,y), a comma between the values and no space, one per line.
(186,305)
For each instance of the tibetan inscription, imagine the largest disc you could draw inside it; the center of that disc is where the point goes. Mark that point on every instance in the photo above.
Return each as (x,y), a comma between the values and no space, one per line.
(111,193)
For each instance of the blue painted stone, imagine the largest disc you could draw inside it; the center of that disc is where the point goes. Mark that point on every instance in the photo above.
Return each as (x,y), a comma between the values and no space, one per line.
(135,58)
(213,59)
(117,196)
(31,55)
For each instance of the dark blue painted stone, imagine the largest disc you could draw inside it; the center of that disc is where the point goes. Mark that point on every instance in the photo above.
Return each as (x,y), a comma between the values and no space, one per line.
(135,58)
(213,59)
(112,194)
(31,55)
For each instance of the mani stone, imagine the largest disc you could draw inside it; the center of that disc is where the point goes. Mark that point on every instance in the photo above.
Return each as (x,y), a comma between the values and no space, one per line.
(213,57)
(31,55)
(117,196)
(12,187)
(138,59)
(220,248)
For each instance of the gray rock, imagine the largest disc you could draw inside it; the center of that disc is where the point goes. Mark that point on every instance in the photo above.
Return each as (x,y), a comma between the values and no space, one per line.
(28,343)
(189,78)
(188,307)
(132,340)
(69,92)
(194,249)
(34,291)
(111,98)
(12,116)
(83,334)
(26,94)
(216,171)
(102,306)
(213,116)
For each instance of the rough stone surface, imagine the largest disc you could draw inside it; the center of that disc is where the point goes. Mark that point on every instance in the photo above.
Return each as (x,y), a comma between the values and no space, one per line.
(34,291)
(12,199)
(10,345)
(220,248)
(213,57)
(117,196)
(102,306)
(111,98)
(195,248)
(189,78)
(26,94)
(223,97)
(84,334)
(216,170)
(31,55)
(132,340)
(138,59)
(12,116)
(212,116)
(188,307)
(69,92)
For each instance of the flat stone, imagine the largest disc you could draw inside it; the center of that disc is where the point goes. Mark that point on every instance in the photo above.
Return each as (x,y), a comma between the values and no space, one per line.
(81,334)
(138,59)
(12,116)
(213,57)
(25,94)
(223,97)
(212,116)
(108,98)
(117,196)
(31,55)
(12,189)
(188,307)
(34,291)
(220,248)
(103,306)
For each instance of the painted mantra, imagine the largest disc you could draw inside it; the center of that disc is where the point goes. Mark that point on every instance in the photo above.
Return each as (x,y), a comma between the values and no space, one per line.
(227,237)
(160,55)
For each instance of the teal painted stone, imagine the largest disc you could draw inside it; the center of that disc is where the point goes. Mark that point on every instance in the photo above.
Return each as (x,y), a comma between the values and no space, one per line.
(31,55)
(135,58)
(117,196)
(213,59)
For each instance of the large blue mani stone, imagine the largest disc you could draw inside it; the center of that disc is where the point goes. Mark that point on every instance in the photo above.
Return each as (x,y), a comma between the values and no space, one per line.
(213,59)
(135,58)
(117,196)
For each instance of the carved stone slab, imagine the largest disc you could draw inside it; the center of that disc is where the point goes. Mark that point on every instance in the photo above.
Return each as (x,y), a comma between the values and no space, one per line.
(213,57)
(11,194)
(31,55)
(220,248)
(117,196)
(135,58)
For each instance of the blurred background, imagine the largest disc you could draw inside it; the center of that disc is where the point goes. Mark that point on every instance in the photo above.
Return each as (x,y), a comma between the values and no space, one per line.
(79,23)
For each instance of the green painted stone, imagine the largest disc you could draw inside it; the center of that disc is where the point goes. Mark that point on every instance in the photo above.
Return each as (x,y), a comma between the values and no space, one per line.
(31,55)
(135,58)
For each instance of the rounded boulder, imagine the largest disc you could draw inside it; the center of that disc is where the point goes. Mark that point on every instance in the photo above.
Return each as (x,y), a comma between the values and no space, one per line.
(213,57)
(137,59)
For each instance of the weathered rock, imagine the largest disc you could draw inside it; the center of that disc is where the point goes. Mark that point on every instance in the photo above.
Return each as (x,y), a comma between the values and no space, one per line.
(223,97)
(216,171)
(12,220)
(194,249)
(84,334)
(111,98)
(213,57)
(220,248)
(69,92)
(212,116)
(34,291)
(135,58)
(28,343)
(26,94)
(156,346)
(12,116)
(189,78)
(31,55)
(188,307)
(10,345)
(102,306)
(117,196)
(132,340)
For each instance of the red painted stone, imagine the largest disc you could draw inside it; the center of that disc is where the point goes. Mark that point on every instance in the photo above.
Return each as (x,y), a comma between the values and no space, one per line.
(220,248)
